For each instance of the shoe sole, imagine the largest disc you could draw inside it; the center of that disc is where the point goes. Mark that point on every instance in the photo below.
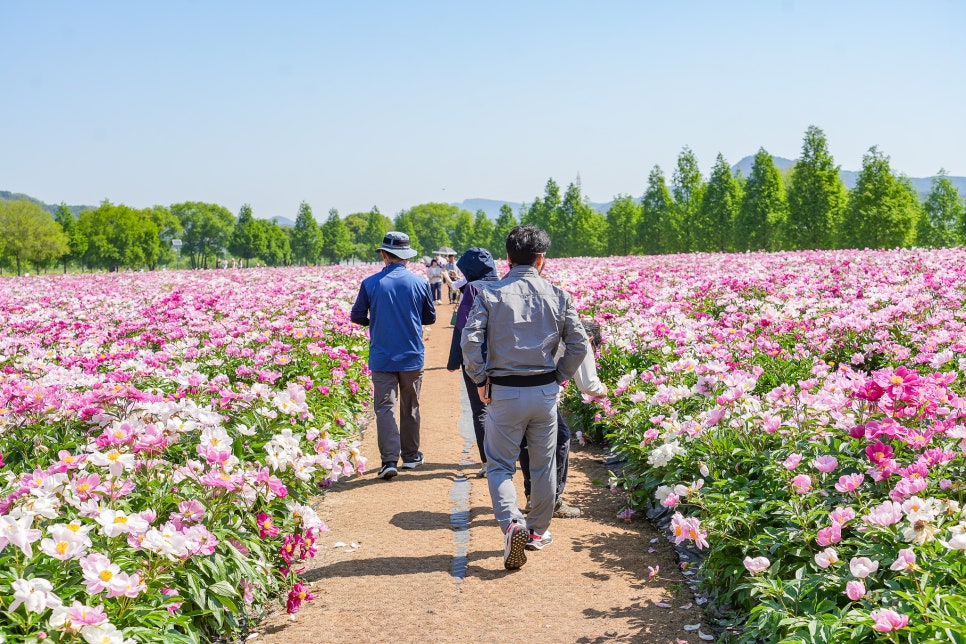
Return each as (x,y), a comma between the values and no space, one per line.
(387,475)
(411,466)
(517,556)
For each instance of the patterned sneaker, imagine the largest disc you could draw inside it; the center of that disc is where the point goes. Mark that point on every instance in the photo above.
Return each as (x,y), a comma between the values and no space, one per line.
(408,465)
(539,542)
(514,548)
(563,511)
(387,471)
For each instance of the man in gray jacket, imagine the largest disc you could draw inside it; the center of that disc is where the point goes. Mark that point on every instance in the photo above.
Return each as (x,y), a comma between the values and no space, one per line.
(509,347)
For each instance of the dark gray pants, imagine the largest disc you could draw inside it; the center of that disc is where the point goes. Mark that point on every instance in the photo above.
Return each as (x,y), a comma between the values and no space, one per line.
(402,439)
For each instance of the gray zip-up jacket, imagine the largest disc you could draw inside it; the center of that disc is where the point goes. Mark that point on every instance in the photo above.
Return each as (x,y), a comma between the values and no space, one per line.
(523,319)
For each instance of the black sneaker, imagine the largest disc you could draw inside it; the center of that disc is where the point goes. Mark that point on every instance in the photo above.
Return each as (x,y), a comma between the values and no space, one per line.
(408,465)
(515,546)
(387,471)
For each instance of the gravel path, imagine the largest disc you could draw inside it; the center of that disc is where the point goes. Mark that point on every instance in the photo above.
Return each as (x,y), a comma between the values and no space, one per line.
(421,559)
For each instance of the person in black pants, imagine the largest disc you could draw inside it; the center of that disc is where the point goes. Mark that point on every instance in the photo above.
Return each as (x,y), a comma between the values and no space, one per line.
(588,383)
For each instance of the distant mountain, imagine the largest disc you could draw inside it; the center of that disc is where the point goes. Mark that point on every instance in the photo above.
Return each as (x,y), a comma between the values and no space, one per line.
(283,221)
(16,196)
(76,210)
(922,184)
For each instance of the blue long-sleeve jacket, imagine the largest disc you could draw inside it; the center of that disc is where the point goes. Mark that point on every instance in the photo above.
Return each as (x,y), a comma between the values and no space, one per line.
(394,304)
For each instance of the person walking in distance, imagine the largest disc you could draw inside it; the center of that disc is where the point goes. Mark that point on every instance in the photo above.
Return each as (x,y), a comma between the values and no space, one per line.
(522,319)
(395,304)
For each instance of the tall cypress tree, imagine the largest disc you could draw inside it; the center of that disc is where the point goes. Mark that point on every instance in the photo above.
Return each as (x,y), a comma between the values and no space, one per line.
(715,220)
(623,220)
(687,187)
(943,214)
(306,237)
(506,222)
(764,208)
(336,241)
(816,196)
(658,231)
(883,209)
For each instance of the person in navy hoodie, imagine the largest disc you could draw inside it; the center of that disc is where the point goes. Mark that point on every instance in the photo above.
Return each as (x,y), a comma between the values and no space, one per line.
(395,304)
(478,268)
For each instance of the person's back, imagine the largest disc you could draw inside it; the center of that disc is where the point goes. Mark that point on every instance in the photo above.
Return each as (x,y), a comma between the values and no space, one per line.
(396,303)
(521,320)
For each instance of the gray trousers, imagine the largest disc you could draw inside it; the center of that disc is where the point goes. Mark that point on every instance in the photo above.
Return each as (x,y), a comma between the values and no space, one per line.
(515,413)
(402,439)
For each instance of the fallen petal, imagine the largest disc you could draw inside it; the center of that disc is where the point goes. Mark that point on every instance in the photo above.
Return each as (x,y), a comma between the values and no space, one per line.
(663,605)
(692,627)
(338,544)
(687,606)
(705,636)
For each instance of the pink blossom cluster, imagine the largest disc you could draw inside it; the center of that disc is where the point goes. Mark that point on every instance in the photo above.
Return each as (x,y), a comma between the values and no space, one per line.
(152,421)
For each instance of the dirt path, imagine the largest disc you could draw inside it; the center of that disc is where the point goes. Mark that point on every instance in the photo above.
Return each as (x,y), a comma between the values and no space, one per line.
(423,559)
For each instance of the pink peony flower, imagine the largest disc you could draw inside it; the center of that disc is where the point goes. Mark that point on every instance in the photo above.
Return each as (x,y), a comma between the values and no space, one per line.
(802,484)
(862,567)
(792,461)
(905,561)
(825,464)
(756,565)
(887,620)
(855,590)
(849,482)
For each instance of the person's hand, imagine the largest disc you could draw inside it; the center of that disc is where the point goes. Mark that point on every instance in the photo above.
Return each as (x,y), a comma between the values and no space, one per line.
(483,396)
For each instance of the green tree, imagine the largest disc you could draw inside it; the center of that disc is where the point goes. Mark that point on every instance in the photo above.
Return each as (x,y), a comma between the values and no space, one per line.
(404,224)
(816,196)
(278,249)
(434,225)
(581,230)
(883,209)
(462,236)
(545,213)
(248,240)
(715,222)
(306,237)
(336,244)
(207,230)
(169,229)
(687,186)
(764,208)
(658,230)
(943,219)
(28,233)
(623,220)
(76,242)
(482,230)
(119,236)
(506,222)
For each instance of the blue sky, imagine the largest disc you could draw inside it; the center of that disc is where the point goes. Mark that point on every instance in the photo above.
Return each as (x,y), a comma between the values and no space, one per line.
(350,105)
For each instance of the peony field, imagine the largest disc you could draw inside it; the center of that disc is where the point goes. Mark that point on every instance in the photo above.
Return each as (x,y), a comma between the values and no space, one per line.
(797,419)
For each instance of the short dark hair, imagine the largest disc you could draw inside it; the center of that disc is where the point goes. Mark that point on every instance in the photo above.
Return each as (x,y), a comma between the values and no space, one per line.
(593,331)
(525,243)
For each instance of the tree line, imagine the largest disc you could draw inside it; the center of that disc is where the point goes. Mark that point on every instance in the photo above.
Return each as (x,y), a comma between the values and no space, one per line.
(806,207)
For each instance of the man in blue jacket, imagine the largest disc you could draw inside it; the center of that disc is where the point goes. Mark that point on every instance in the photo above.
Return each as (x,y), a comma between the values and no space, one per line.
(395,304)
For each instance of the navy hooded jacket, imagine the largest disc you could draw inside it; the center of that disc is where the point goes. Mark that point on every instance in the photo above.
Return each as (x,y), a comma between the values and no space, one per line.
(478,267)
